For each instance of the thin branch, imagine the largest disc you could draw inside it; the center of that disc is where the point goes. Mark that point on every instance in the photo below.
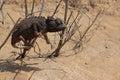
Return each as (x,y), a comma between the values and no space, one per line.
(89,27)
(2,5)
(3,17)
(86,15)
(74,21)
(33,5)
(42,8)
(1,9)
(11,18)
(76,25)
(56,8)
(66,9)
(71,34)
(31,75)
(69,17)
(26,9)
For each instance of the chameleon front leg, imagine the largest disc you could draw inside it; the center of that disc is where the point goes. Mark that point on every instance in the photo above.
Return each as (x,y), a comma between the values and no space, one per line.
(47,40)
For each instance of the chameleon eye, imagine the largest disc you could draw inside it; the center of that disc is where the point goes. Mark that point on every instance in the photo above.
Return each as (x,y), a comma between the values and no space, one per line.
(52,24)
(58,21)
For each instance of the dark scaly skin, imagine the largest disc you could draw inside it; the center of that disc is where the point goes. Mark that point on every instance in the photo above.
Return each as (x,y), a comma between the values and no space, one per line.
(29,28)
(27,31)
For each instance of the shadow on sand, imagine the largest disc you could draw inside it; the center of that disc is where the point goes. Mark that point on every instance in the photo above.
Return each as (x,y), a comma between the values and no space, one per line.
(6,66)
(11,66)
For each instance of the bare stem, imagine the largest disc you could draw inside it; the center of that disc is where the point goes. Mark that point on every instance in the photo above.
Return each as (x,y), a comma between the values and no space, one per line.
(66,9)
(77,45)
(1,6)
(33,4)
(69,17)
(74,21)
(56,8)
(26,9)
(43,3)
(11,18)
(1,9)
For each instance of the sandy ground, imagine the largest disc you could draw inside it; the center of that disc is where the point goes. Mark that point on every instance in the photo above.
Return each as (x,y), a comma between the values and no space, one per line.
(99,59)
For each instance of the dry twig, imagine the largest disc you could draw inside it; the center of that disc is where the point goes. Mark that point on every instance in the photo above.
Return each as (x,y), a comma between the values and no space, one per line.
(26,9)
(11,18)
(1,9)
(77,45)
(56,8)
(33,4)
(1,6)
(42,7)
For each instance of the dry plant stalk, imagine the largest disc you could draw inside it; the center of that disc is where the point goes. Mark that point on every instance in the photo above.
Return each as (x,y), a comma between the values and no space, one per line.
(73,21)
(33,5)
(42,8)
(11,18)
(26,9)
(69,17)
(73,28)
(2,4)
(1,9)
(32,9)
(77,45)
(71,31)
(56,8)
